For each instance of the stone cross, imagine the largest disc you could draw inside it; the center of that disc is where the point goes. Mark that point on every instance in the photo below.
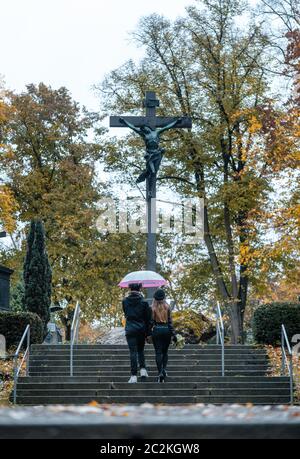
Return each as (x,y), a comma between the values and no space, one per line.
(150,103)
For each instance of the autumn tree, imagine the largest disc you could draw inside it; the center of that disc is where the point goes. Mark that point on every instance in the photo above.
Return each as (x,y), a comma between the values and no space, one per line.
(52,170)
(281,129)
(208,67)
(8,205)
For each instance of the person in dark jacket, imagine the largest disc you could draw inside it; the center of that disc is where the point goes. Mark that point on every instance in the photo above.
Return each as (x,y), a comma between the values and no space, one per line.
(138,320)
(162,332)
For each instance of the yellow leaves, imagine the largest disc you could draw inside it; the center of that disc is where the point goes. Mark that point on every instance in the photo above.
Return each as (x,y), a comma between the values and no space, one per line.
(275,358)
(2,113)
(7,370)
(249,118)
(249,255)
(282,140)
(93,404)
(254,124)
(244,254)
(8,207)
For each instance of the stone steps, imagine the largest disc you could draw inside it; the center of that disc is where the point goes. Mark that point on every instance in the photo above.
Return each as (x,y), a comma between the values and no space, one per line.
(92,395)
(201,380)
(172,366)
(125,357)
(150,385)
(176,375)
(103,347)
(124,353)
(101,374)
(135,400)
(172,371)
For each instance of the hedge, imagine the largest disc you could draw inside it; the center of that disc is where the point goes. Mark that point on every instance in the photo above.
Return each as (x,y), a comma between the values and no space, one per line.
(193,326)
(268,318)
(13,325)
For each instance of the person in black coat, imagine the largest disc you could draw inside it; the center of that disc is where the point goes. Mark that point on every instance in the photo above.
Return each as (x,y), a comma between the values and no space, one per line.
(138,321)
(162,332)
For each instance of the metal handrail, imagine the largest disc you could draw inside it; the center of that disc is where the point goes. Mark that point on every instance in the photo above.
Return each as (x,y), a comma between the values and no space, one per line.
(221,335)
(287,362)
(74,335)
(17,368)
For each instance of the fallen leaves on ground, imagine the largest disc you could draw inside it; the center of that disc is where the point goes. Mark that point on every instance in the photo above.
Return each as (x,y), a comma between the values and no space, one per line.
(7,378)
(275,356)
(162,413)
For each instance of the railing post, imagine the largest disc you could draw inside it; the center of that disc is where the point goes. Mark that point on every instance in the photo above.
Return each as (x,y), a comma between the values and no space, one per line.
(221,337)
(74,335)
(17,368)
(28,353)
(285,363)
(291,379)
(15,379)
(223,357)
(71,355)
(77,329)
(282,353)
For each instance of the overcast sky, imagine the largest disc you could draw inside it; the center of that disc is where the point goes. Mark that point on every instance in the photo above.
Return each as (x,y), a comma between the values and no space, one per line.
(71,42)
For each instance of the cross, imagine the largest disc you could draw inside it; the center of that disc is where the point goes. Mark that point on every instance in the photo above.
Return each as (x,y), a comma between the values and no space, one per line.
(150,103)
(154,122)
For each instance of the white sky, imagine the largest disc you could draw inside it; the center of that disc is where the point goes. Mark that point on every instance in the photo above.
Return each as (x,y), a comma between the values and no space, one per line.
(71,43)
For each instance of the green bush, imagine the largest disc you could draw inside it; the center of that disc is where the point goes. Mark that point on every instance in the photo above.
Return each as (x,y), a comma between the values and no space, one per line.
(193,326)
(267,321)
(13,324)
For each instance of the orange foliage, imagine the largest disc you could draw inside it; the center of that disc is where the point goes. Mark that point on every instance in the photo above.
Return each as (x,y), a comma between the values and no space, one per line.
(8,208)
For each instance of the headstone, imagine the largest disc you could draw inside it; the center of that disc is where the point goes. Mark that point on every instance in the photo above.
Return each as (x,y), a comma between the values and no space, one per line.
(2,347)
(54,335)
(5,274)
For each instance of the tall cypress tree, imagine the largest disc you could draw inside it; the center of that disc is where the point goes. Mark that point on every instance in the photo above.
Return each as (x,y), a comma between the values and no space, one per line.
(28,257)
(37,274)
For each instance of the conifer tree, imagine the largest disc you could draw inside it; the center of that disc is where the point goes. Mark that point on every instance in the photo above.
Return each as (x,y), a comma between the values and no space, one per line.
(37,274)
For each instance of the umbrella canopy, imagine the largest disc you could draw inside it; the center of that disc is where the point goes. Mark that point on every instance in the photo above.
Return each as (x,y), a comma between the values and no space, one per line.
(148,279)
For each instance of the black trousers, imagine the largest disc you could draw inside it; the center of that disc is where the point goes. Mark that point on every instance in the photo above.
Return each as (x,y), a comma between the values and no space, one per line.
(136,344)
(161,337)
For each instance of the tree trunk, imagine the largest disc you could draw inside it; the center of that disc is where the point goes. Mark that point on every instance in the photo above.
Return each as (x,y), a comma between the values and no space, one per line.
(68,332)
(199,177)
(236,299)
(237,327)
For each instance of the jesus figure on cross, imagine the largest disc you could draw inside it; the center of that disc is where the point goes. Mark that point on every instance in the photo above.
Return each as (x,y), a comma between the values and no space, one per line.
(151,138)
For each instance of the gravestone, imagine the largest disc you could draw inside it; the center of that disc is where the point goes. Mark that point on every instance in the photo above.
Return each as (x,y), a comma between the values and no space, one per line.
(2,349)
(5,274)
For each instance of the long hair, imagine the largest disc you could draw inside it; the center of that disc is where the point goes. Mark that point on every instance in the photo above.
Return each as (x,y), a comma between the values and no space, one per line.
(160,311)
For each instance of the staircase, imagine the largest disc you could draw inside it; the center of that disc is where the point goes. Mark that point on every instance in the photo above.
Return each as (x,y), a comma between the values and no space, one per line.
(101,373)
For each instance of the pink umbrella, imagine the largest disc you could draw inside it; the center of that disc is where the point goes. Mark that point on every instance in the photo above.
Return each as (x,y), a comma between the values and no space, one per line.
(148,279)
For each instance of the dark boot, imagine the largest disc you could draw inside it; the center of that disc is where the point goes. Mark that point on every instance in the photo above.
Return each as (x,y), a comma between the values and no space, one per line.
(161,378)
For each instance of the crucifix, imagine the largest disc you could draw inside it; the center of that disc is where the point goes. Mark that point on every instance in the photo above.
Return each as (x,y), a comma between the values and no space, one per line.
(150,127)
